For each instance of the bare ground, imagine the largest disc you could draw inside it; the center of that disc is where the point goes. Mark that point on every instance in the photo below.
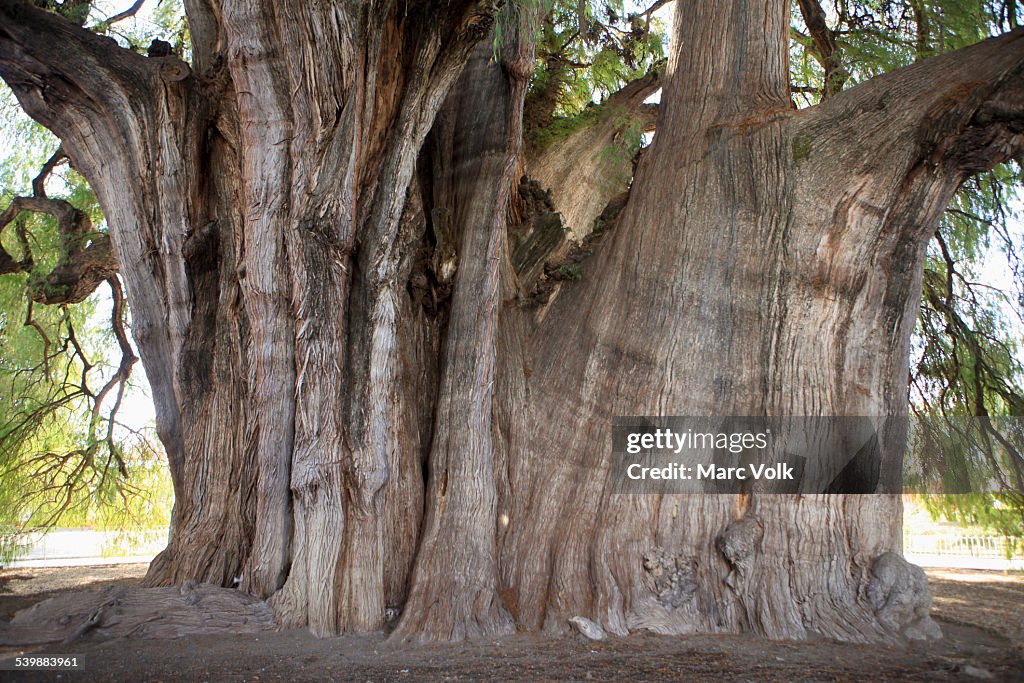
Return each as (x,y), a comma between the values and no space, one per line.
(981,613)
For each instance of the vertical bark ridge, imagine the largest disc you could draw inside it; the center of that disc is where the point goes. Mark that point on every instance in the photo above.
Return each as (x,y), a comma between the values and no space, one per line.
(454,592)
(212,534)
(441,50)
(319,236)
(259,78)
(730,61)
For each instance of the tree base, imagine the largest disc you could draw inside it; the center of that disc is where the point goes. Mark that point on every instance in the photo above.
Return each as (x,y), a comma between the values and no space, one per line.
(895,608)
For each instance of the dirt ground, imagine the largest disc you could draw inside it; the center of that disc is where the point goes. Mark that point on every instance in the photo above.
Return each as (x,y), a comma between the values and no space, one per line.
(981,614)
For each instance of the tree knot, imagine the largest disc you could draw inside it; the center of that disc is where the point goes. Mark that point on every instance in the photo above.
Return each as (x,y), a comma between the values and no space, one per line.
(738,544)
(899,594)
(675,576)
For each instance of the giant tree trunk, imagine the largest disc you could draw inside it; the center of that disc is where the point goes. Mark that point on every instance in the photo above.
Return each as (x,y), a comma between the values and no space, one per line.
(357,414)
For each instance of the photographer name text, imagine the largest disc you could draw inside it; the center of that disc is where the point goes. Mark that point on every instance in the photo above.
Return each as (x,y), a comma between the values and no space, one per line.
(776,472)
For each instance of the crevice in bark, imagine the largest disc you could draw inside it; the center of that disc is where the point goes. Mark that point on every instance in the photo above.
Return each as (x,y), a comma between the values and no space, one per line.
(537,235)
(454,592)
(543,262)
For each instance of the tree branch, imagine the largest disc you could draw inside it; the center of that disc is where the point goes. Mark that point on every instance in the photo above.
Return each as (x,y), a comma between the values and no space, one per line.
(120,16)
(85,260)
(39,182)
(66,76)
(959,113)
(826,50)
(654,8)
(636,91)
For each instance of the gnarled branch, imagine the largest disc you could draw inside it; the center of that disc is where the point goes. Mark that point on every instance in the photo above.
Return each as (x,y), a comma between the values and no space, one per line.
(586,161)
(955,114)
(85,260)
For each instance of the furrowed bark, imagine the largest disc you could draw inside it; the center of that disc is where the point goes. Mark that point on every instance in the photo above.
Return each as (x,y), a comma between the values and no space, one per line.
(265,171)
(443,50)
(739,293)
(258,74)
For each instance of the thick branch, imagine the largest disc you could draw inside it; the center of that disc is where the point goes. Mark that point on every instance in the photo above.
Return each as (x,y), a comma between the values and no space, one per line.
(58,70)
(7,262)
(39,182)
(826,51)
(586,161)
(956,114)
(636,91)
(658,4)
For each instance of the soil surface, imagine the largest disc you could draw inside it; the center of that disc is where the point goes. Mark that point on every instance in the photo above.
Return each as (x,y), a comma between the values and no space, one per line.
(981,614)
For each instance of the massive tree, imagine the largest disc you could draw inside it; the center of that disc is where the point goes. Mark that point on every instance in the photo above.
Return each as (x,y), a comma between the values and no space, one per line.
(378,390)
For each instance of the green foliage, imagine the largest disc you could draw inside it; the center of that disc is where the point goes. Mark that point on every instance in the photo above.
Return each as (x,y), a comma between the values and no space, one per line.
(561,128)
(968,354)
(1000,513)
(587,51)
(571,271)
(73,10)
(877,36)
(62,460)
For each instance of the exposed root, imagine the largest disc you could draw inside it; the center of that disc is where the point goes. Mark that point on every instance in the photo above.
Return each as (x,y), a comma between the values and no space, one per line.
(168,612)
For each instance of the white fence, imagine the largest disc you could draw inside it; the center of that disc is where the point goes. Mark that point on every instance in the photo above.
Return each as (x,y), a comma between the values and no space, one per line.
(84,546)
(965,551)
(1004,547)
(67,547)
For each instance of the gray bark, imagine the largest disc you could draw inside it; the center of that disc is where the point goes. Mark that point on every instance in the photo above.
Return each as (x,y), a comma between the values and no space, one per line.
(767,263)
